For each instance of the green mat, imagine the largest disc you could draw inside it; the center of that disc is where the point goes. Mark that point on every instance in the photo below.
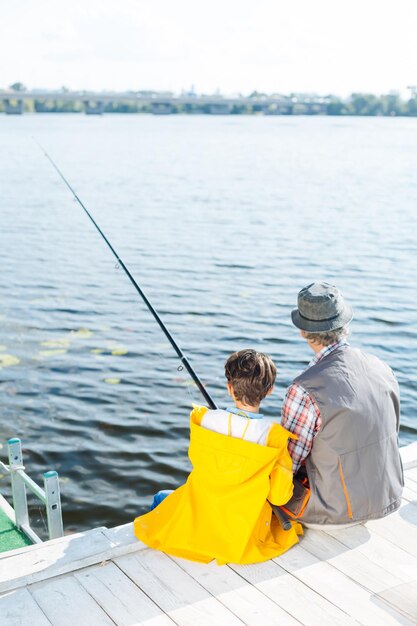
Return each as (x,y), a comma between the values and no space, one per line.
(10,537)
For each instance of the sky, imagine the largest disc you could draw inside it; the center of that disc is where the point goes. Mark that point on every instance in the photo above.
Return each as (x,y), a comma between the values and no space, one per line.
(231,46)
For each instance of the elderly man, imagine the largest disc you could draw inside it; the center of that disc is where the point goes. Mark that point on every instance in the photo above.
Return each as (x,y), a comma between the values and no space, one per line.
(345,410)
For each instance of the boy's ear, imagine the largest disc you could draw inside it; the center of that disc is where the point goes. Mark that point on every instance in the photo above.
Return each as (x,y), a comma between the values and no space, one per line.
(230,390)
(271,390)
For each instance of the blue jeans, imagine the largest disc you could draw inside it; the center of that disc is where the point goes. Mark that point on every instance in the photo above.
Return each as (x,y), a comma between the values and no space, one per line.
(158,497)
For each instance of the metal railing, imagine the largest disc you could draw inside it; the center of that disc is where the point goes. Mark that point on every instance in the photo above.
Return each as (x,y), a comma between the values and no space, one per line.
(50,495)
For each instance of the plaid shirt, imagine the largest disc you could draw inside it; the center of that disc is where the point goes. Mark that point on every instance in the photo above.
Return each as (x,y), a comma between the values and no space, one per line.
(301,415)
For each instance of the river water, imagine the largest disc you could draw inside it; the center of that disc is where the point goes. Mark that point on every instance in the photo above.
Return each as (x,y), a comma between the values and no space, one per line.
(221,220)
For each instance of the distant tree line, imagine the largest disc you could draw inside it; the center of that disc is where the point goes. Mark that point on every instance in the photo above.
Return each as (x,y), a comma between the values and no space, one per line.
(362,104)
(368,104)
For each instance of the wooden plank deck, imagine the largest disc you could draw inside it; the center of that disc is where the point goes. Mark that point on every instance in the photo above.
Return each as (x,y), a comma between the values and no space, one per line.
(366,574)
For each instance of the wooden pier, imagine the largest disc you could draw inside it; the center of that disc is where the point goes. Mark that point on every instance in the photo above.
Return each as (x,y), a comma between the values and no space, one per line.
(365,574)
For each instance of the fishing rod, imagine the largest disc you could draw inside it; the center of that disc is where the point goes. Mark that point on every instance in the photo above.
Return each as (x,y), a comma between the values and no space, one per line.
(120,262)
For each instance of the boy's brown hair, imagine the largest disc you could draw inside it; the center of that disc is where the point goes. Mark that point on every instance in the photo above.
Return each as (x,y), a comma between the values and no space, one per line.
(251,374)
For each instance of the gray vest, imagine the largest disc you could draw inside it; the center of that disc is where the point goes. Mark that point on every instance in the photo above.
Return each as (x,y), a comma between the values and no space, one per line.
(354,467)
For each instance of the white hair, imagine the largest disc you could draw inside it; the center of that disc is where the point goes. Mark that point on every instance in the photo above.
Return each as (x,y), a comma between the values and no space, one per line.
(327,337)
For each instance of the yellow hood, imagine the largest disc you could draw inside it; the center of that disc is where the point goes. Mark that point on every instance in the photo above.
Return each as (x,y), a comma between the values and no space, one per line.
(222,511)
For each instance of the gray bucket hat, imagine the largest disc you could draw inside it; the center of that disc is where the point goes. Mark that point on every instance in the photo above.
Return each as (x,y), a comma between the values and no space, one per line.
(321,308)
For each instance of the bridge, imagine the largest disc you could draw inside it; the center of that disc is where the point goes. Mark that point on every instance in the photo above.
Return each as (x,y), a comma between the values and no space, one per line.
(93,103)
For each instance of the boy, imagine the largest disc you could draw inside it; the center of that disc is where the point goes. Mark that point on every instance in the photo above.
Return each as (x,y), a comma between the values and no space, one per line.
(240,461)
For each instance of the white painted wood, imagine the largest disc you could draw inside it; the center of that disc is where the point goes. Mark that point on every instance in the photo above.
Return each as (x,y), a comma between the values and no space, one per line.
(400,527)
(66,554)
(28,549)
(409,455)
(53,542)
(123,540)
(409,493)
(404,599)
(174,591)
(66,603)
(18,608)
(337,588)
(53,558)
(378,550)
(119,597)
(12,553)
(411,484)
(349,561)
(412,474)
(298,599)
(244,600)
(363,574)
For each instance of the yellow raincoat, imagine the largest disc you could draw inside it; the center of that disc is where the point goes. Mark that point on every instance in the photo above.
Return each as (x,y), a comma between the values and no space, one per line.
(222,511)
